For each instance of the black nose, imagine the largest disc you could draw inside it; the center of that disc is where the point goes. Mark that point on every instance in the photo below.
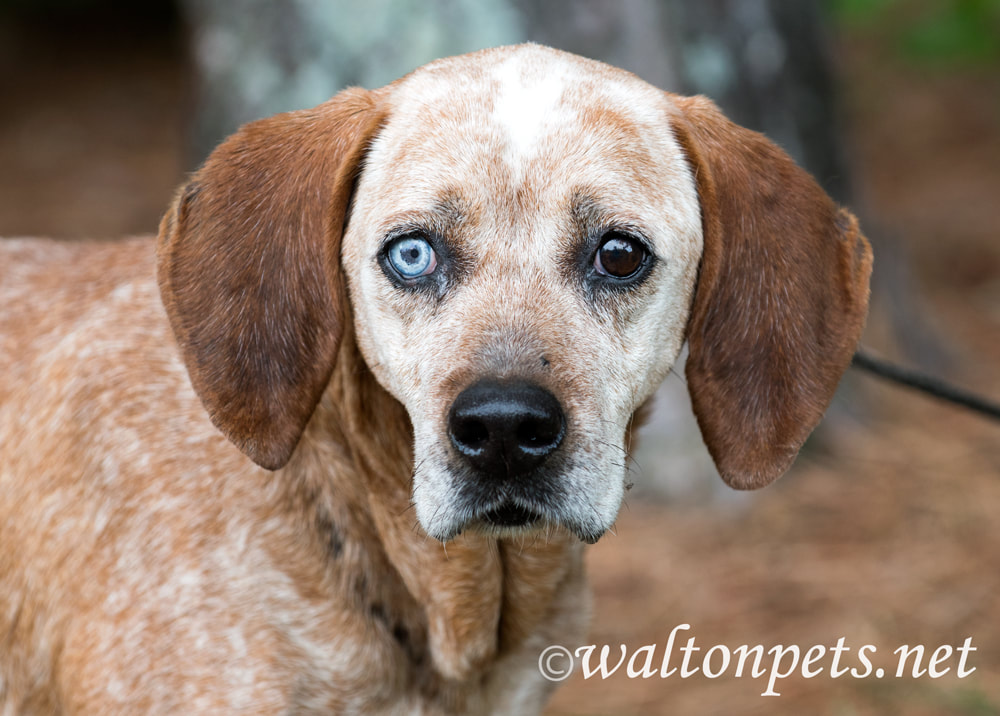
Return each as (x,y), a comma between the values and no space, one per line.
(505,429)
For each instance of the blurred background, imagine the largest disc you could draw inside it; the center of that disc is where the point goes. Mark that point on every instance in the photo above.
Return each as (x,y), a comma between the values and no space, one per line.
(886,530)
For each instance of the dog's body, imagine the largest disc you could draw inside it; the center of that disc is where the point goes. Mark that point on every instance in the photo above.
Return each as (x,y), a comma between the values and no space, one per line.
(579,224)
(148,566)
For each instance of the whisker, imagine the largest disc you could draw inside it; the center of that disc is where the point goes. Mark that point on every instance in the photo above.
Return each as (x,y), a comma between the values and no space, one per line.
(411,506)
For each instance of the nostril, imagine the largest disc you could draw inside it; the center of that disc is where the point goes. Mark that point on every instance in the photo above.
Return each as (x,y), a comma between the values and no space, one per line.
(470,434)
(538,433)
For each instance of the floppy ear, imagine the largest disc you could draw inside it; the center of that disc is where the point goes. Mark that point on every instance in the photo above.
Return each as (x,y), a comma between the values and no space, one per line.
(248,267)
(780,302)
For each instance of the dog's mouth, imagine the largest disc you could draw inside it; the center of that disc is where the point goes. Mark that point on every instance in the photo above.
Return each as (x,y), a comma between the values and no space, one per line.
(549,500)
(510,518)
(509,515)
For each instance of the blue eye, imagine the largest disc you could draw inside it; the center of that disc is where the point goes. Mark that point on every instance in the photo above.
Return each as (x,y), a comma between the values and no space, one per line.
(412,257)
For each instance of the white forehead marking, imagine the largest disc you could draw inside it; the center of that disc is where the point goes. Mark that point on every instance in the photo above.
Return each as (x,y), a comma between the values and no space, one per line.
(529,103)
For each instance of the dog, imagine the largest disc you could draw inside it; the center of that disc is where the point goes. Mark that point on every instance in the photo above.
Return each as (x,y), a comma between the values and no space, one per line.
(334,441)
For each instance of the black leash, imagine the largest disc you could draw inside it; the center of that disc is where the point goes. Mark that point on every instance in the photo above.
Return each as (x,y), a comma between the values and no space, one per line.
(928,384)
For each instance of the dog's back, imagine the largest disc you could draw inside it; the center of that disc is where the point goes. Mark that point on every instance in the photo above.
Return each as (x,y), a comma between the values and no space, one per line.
(47,286)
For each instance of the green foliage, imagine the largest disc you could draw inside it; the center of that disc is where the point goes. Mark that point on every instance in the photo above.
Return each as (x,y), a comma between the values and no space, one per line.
(929,31)
(972,702)
(859,12)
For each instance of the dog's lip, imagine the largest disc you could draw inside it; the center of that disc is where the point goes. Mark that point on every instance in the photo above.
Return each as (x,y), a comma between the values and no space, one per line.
(510,514)
(515,510)
(509,519)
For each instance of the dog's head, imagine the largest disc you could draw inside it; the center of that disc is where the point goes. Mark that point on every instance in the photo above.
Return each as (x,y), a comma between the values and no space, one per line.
(526,239)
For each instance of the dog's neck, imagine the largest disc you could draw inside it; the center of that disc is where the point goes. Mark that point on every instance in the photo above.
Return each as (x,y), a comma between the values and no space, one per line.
(475,598)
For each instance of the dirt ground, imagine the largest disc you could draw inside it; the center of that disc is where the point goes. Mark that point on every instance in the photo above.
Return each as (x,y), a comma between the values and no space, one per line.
(885,533)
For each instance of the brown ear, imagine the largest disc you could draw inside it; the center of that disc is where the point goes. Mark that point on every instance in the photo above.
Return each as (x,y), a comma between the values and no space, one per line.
(781,297)
(248,264)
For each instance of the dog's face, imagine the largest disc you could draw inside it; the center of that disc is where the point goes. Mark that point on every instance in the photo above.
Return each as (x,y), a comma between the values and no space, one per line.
(521,256)
(526,239)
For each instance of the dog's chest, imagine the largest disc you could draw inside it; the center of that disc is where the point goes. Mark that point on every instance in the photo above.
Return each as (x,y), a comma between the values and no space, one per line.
(364,646)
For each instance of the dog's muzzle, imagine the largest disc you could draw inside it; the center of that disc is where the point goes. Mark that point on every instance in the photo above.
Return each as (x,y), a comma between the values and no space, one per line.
(504,431)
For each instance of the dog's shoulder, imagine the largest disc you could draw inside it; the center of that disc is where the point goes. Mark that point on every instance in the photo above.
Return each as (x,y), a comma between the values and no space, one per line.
(115,486)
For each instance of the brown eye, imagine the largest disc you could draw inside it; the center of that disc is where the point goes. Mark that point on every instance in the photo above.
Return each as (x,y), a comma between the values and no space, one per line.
(619,256)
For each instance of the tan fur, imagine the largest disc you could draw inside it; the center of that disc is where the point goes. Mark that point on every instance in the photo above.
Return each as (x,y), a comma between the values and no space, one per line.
(149,566)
